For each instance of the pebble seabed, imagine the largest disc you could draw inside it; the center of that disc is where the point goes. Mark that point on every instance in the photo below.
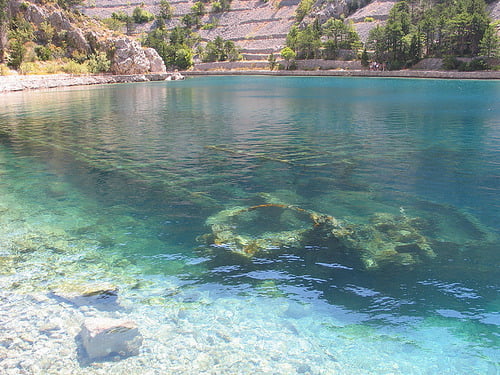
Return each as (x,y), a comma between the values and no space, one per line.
(186,330)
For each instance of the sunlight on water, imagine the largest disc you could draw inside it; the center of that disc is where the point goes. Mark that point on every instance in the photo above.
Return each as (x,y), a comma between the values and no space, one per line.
(254,225)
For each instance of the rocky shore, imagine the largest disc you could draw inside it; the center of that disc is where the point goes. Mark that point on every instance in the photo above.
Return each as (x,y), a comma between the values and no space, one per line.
(33,82)
(355,73)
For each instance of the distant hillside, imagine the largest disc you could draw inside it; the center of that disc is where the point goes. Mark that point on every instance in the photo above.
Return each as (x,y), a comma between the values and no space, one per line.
(260,27)
(79,36)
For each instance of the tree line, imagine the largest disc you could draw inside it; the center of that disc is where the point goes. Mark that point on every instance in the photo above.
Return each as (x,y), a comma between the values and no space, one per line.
(458,28)
(414,30)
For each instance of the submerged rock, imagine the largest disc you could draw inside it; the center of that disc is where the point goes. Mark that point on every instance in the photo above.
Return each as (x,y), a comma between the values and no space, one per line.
(103,336)
(387,240)
(97,294)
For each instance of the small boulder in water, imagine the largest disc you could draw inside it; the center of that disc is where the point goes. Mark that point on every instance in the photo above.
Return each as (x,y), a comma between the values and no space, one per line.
(103,336)
(98,294)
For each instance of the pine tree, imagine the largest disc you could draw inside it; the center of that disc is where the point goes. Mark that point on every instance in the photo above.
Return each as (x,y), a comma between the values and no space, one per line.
(4,25)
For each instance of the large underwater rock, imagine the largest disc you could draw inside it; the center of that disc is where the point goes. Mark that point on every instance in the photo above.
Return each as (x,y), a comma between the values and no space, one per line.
(87,294)
(103,336)
(387,240)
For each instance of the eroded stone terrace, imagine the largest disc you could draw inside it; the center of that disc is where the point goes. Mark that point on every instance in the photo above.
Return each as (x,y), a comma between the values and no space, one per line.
(258,27)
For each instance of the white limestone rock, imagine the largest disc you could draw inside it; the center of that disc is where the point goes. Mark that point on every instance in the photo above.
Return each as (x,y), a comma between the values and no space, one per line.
(156,64)
(176,76)
(131,58)
(78,41)
(103,336)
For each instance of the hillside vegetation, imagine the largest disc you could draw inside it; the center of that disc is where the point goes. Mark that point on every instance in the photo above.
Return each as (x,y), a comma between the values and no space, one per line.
(49,38)
(412,31)
(382,34)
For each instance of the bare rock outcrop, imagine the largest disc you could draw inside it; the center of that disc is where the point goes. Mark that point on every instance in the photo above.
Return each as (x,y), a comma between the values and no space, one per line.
(324,10)
(56,18)
(128,58)
(35,14)
(156,64)
(131,58)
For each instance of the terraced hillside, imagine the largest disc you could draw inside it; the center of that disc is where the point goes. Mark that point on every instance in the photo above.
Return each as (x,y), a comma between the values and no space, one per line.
(258,27)
(371,15)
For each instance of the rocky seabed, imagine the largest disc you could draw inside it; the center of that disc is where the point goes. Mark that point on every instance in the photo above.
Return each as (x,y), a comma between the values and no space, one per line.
(53,283)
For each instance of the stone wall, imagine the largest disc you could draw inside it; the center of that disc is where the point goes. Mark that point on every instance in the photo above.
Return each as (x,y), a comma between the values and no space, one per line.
(313,64)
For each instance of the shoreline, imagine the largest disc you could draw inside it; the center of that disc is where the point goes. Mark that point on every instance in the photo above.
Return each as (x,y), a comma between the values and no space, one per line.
(438,74)
(16,83)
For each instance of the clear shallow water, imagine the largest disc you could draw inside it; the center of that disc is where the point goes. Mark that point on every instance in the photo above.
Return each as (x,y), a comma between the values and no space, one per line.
(115,183)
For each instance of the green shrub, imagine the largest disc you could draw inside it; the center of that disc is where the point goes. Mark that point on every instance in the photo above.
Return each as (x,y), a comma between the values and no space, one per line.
(120,16)
(53,67)
(99,63)
(219,6)
(474,65)
(216,7)
(451,63)
(369,19)
(78,56)
(221,50)
(183,58)
(72,67)
(191,20)
(303,9)
(198,9)
(45,32)
(365,58)
(57,52)
(395,65)
(29,68)
(21,32)
(289,55)
(43,53)
(166,11)
(271,59)
(479,64)
(142,16)
(4,70)
(67,4)
(208,26)
(113,23)
(17,52)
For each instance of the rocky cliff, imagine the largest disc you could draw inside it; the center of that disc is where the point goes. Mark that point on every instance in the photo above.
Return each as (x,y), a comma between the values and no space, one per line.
(86,36)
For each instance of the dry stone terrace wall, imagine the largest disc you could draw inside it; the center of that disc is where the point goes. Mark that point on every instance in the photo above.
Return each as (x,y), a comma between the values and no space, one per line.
(258,27)
(378,10)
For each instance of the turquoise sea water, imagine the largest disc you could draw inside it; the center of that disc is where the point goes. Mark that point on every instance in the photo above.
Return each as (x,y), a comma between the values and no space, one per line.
(116,183)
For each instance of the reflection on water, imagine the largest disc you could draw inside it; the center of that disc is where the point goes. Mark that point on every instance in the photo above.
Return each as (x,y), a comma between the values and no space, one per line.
(116,182)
